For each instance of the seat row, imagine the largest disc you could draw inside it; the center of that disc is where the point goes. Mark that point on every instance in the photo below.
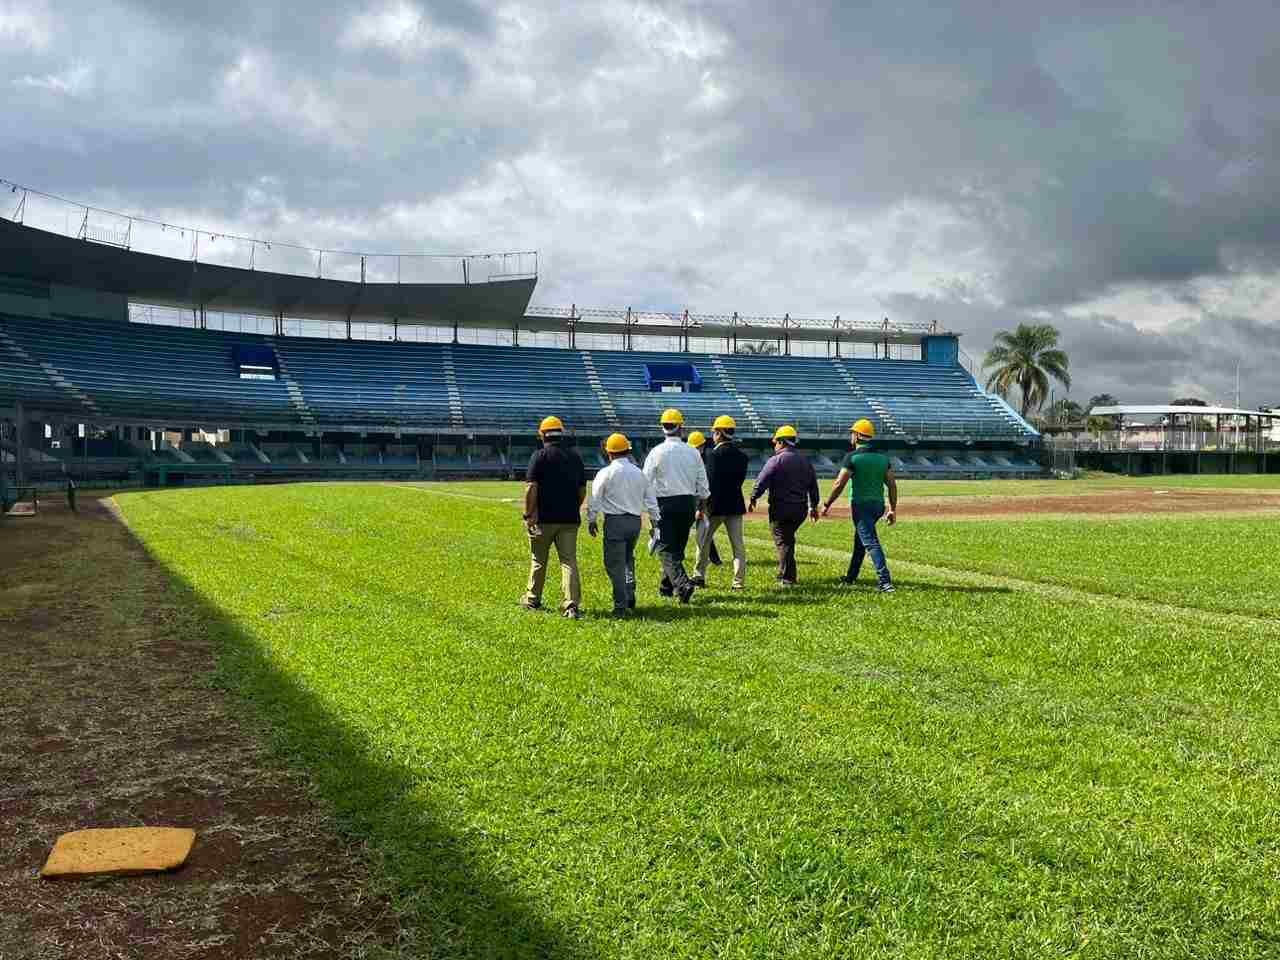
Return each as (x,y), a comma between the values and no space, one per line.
(182,374)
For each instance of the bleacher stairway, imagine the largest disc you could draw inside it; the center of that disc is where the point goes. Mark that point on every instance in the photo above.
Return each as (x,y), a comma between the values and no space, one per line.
(108,371)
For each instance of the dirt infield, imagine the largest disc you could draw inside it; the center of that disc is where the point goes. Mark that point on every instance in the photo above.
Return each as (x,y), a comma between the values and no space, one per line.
(108,718)
(1099,503)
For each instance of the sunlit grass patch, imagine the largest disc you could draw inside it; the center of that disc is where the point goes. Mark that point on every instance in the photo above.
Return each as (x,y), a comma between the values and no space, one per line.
(958,770)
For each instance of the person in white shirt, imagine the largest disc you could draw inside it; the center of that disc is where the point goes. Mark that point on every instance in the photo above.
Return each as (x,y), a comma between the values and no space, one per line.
(621,493)
(679,480)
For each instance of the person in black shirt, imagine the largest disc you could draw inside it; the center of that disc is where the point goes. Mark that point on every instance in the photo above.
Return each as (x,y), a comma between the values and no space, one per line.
(726,472)
(555,486)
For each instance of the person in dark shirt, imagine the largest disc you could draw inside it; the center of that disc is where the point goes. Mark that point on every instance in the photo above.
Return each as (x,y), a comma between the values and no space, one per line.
(555,486)
(726,473)
(871,473)
(792,485)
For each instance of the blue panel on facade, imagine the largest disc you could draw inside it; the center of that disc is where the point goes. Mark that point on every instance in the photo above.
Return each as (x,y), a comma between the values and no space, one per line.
(943,350)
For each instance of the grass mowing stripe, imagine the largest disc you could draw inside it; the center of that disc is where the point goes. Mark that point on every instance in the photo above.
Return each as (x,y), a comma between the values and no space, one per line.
(970,771)
(1224,565)
(1044,588)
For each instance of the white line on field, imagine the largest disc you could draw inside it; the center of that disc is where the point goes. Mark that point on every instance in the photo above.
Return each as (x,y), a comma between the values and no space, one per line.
(1054,591)
(453,493)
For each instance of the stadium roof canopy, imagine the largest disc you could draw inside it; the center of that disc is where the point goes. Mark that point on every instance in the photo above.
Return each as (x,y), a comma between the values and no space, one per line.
(1171,410)
(189,283)
(728,326)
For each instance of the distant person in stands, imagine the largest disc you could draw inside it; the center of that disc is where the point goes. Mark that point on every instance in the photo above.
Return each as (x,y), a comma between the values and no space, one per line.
(555,486)
(680,482)
(622,494)
(871,473)
(791,484)
(726,473)
(698,440)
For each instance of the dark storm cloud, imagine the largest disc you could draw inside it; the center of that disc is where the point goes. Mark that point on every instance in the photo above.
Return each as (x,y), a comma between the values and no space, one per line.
(816,158)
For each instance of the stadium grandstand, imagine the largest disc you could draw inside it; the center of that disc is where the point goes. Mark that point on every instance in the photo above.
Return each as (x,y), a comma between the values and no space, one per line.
(125,364)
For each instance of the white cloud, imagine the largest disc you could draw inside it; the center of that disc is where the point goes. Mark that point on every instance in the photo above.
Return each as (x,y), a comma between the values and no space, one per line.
(22,27)
(254,90)
(399,26)
(75,81)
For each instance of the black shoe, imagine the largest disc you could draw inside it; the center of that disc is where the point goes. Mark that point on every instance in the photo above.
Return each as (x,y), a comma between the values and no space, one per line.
(666,592)
(620,614)
(631,604)
(698,582)
(686,594)
(848,581)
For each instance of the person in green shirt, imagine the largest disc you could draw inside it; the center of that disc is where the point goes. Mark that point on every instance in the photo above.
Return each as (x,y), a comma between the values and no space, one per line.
(871,473)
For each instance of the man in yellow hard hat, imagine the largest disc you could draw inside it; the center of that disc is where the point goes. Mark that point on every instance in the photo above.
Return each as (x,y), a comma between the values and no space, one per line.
(698,440)
(621,493)
(871,473)
(680,482)
(555,486)
(726,472)
(792,485)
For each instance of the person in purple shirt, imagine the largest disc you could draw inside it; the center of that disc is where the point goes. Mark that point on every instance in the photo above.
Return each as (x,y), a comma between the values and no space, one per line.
(792,487)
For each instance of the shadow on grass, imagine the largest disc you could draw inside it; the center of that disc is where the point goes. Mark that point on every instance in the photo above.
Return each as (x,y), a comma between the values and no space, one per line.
(452,906)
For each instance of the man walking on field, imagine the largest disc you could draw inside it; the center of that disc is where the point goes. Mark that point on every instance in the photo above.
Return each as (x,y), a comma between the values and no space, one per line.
(792,485)
(621,493)
(726,472)
(680,482)
(555,486)
(871,473)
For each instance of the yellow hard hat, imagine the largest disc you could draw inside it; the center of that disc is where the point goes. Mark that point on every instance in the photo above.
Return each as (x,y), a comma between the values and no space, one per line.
(617,443)
(551,425)
(864,428)
(697,439)
(724,422)
(671,417)
(785,432)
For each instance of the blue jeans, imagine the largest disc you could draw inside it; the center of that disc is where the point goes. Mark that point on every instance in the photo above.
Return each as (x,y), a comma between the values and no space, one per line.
(866,514)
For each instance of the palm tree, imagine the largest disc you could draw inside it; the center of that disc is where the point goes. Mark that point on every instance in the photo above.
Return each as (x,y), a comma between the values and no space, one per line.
(1066,411)
(1026,359)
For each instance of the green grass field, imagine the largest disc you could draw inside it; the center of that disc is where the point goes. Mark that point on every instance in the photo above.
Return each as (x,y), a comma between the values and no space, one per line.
(1059,738)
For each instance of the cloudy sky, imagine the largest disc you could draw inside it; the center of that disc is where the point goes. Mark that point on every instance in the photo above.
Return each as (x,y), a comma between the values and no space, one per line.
(1114,169)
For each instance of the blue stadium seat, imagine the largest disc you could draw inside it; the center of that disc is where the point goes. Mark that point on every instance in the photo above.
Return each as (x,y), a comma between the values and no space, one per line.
(186,376)
(154,372)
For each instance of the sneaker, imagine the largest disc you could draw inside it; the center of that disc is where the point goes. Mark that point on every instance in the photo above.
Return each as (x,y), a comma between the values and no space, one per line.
(572,613)
(846,582)
(686,594)
(887,588)
(528,604)
(738,586)
(699,582)
(786,583)
(666,592)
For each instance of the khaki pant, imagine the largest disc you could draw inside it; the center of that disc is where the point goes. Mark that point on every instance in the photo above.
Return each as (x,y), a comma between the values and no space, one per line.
(565,538)
(734,526)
